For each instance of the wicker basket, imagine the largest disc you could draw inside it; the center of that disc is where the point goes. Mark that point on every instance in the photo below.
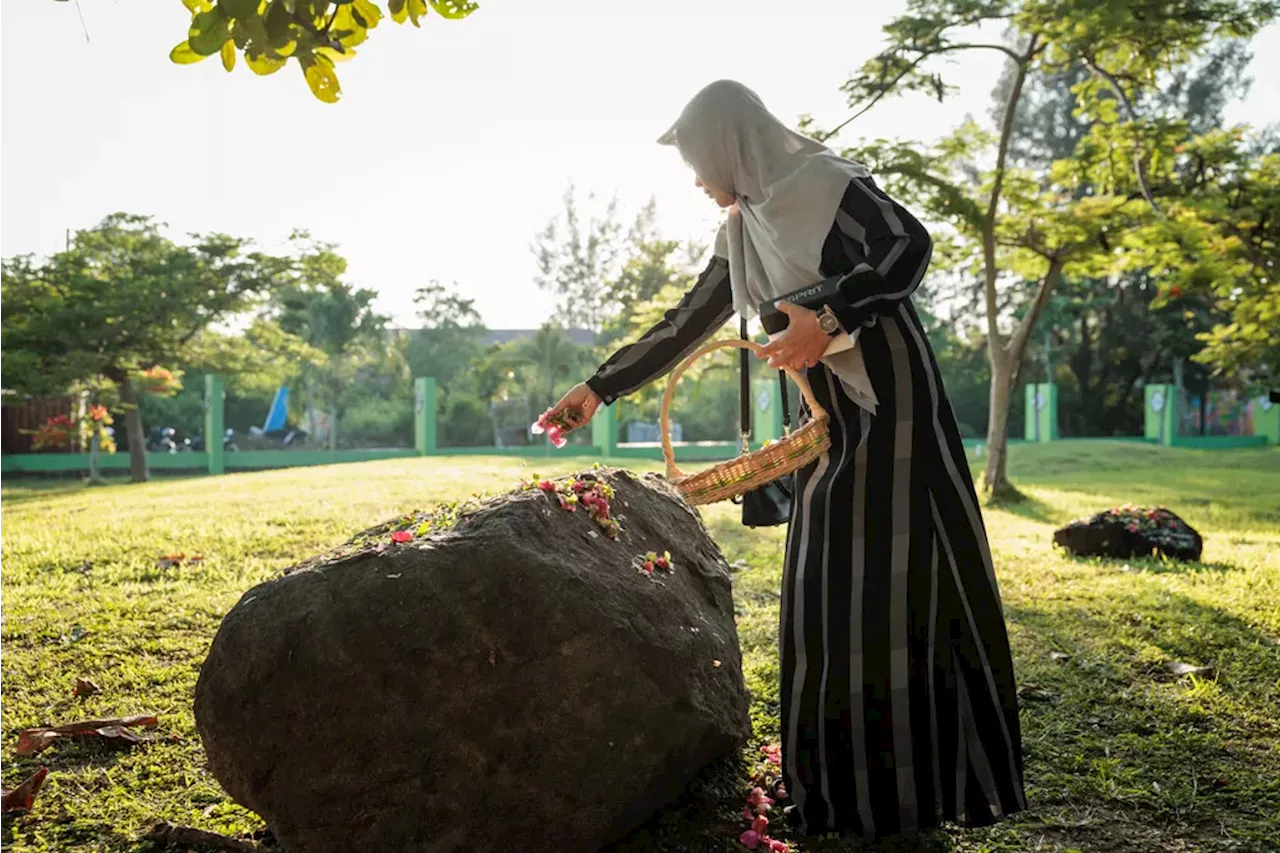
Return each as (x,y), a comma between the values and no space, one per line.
(728,480)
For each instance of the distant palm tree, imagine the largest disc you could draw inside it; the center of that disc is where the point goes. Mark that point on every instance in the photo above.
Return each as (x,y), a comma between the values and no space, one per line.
(542,362)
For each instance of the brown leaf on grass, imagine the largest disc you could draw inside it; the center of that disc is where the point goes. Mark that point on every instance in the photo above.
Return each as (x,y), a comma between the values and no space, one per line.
(172,835)
(85,687)
(32,741)
(1179,669)
(21,798)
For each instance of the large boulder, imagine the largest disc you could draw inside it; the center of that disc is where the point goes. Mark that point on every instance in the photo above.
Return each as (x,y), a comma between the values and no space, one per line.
(1131,531)
(515,679)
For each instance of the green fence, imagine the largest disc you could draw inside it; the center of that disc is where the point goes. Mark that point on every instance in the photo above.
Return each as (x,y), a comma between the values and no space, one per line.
(1041,421)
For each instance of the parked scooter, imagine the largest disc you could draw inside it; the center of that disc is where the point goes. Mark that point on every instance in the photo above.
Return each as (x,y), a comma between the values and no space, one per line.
(228,442)
(161,440)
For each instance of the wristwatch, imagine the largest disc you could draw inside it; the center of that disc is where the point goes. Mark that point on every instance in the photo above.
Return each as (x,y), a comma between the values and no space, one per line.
(827,321)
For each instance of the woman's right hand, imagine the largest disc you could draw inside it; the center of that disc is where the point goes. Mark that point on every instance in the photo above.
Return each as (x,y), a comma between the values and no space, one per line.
(577,407)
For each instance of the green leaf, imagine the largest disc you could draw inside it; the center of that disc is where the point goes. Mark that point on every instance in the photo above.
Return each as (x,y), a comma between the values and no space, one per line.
(184,55)
(239,8)
(417,11)
(320,76)
(262,65)
(209,30)
(228,55)
(453,10)
(369,13)
(279,24)
(399,10)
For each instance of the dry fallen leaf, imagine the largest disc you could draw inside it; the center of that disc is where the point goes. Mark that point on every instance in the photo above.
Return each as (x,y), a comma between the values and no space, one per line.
(21,798)
(85,687)
(1180,669)
(32,741)
(172,835)
(1036,693)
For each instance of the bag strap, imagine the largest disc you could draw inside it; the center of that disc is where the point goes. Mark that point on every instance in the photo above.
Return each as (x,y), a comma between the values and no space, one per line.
(744,390)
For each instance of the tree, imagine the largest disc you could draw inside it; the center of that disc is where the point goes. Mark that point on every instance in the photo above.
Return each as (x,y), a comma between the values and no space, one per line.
(1103,336)
(1018,226)
(315,33)
(541,363)
(330,315)
(652,265)
(577,262)
(122,298)
(1235,187)
(452,334)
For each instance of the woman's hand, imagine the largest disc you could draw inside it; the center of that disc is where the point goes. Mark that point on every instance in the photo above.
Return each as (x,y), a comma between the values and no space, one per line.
(577,408)
(802,345)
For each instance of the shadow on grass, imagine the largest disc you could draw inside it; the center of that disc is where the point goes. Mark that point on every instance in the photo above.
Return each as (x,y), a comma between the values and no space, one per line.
(1167,760)
(1154,565)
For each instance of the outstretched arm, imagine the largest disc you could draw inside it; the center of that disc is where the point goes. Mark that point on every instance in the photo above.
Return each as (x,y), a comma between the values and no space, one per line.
(702,311)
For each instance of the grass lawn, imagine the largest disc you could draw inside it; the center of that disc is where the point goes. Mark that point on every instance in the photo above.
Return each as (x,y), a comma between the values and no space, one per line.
(1121,755)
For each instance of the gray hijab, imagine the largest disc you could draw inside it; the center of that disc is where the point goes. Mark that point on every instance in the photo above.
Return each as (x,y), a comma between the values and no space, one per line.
(788,189)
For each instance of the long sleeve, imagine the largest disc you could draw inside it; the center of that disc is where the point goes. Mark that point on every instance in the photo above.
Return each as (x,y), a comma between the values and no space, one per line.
(881,247)
(702,311)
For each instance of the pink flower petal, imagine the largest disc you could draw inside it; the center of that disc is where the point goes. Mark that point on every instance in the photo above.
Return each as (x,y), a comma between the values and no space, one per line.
(401,536)
(776,846)
(747,813)
(750,839)
(760,824)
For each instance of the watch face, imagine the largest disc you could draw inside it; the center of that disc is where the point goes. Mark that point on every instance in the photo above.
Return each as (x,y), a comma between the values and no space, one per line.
(828,323)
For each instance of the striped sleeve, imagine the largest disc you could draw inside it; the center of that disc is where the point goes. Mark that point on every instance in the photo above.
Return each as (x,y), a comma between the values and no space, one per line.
(703,310)
(884,246)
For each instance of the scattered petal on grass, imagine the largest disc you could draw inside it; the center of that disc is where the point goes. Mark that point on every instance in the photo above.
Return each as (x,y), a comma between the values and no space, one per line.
(32,741)
(21,798)
(167,561)
(1059,657)
(85,687)
(171,835)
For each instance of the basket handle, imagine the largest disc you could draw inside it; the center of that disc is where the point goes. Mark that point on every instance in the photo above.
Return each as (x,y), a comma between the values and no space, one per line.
(668,453)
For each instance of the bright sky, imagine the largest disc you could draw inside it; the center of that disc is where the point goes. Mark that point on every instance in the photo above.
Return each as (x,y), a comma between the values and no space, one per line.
(452,144)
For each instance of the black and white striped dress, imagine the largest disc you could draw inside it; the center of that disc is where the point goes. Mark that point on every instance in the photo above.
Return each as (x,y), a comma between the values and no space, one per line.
(899,708)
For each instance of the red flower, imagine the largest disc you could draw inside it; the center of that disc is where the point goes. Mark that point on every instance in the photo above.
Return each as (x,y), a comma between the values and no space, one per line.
(1175,291)
(647,566)
(760,824)
(759,800)
(776,846)
(401,536)
(1133,528)
(750,839)
(773,752)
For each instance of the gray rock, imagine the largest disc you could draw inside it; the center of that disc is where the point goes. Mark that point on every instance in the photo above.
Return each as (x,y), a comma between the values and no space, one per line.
(513,683)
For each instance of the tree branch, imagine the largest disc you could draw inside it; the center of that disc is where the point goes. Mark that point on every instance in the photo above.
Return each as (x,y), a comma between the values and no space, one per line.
(1017,344)
(1139,167)
(888,87)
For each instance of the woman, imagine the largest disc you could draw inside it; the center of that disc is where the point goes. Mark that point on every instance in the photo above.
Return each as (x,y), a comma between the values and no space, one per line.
(898,702)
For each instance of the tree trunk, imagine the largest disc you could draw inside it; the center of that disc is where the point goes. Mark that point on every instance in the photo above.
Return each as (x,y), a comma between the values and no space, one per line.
(995,479)
(133,428)
(95,450)
(1005,361)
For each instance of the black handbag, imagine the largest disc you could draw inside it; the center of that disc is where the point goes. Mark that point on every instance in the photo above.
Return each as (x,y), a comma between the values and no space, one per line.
(770,504)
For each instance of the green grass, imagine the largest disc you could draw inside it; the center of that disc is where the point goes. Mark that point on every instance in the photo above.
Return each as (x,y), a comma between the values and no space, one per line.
(1120,755)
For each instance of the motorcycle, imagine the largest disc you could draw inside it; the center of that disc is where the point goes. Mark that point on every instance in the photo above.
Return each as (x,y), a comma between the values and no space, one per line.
(162,440)
(228,442)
